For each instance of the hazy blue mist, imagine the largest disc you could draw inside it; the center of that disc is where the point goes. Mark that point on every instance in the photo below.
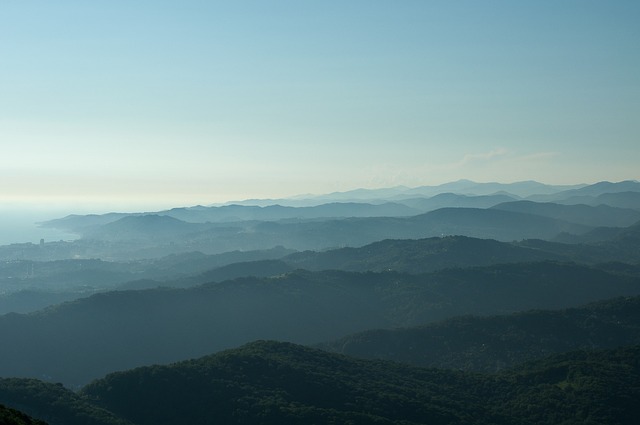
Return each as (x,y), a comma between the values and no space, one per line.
(20,226)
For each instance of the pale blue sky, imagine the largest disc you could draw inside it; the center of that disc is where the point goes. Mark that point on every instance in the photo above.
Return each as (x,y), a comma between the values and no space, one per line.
(159,103)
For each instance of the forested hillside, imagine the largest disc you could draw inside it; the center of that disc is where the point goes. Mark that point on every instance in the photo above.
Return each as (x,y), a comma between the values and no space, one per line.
(54,403)
(274,383)
(493,343)
(14,417)
(79,341)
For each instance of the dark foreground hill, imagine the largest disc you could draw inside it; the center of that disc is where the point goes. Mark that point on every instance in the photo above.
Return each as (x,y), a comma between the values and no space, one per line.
(492,343)
(53,403)
(280,383)
(85,339)
(10,416)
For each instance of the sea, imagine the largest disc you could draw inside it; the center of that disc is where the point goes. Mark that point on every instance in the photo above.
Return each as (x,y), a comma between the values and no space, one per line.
(20,221)
(22,226)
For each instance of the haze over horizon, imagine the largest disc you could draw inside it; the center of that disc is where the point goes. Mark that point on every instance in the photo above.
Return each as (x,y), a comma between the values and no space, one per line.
(152,105)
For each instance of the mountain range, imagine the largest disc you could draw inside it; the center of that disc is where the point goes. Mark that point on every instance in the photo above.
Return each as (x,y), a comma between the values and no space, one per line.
(481,210)
(462,303)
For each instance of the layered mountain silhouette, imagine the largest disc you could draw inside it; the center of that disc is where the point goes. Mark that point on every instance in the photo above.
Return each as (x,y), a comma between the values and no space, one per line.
(150,236)
(82,340)
(458,303)
(481,210)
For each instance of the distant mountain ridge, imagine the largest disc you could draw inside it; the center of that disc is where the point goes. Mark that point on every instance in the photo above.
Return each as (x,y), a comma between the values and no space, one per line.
(212,230)
(594,190)
(448,199)
(596,216)
(152,236)
(480,210)
(460,187)
(530,190)
(397,201)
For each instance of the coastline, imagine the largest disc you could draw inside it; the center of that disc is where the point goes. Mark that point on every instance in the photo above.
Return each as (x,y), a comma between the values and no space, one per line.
(23,227)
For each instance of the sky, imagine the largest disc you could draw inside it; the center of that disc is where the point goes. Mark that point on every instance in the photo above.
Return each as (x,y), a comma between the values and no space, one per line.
(149,104)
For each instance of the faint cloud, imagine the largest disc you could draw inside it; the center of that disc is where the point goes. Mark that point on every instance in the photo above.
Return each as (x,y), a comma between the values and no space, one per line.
(498,164)
(478,157)
(537,156)
(500,155)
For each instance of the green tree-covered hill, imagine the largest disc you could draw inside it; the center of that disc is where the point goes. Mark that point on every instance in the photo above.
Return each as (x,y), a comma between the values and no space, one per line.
(493,343)
(267,382)
(281,383)
(53,403)
(10,416)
